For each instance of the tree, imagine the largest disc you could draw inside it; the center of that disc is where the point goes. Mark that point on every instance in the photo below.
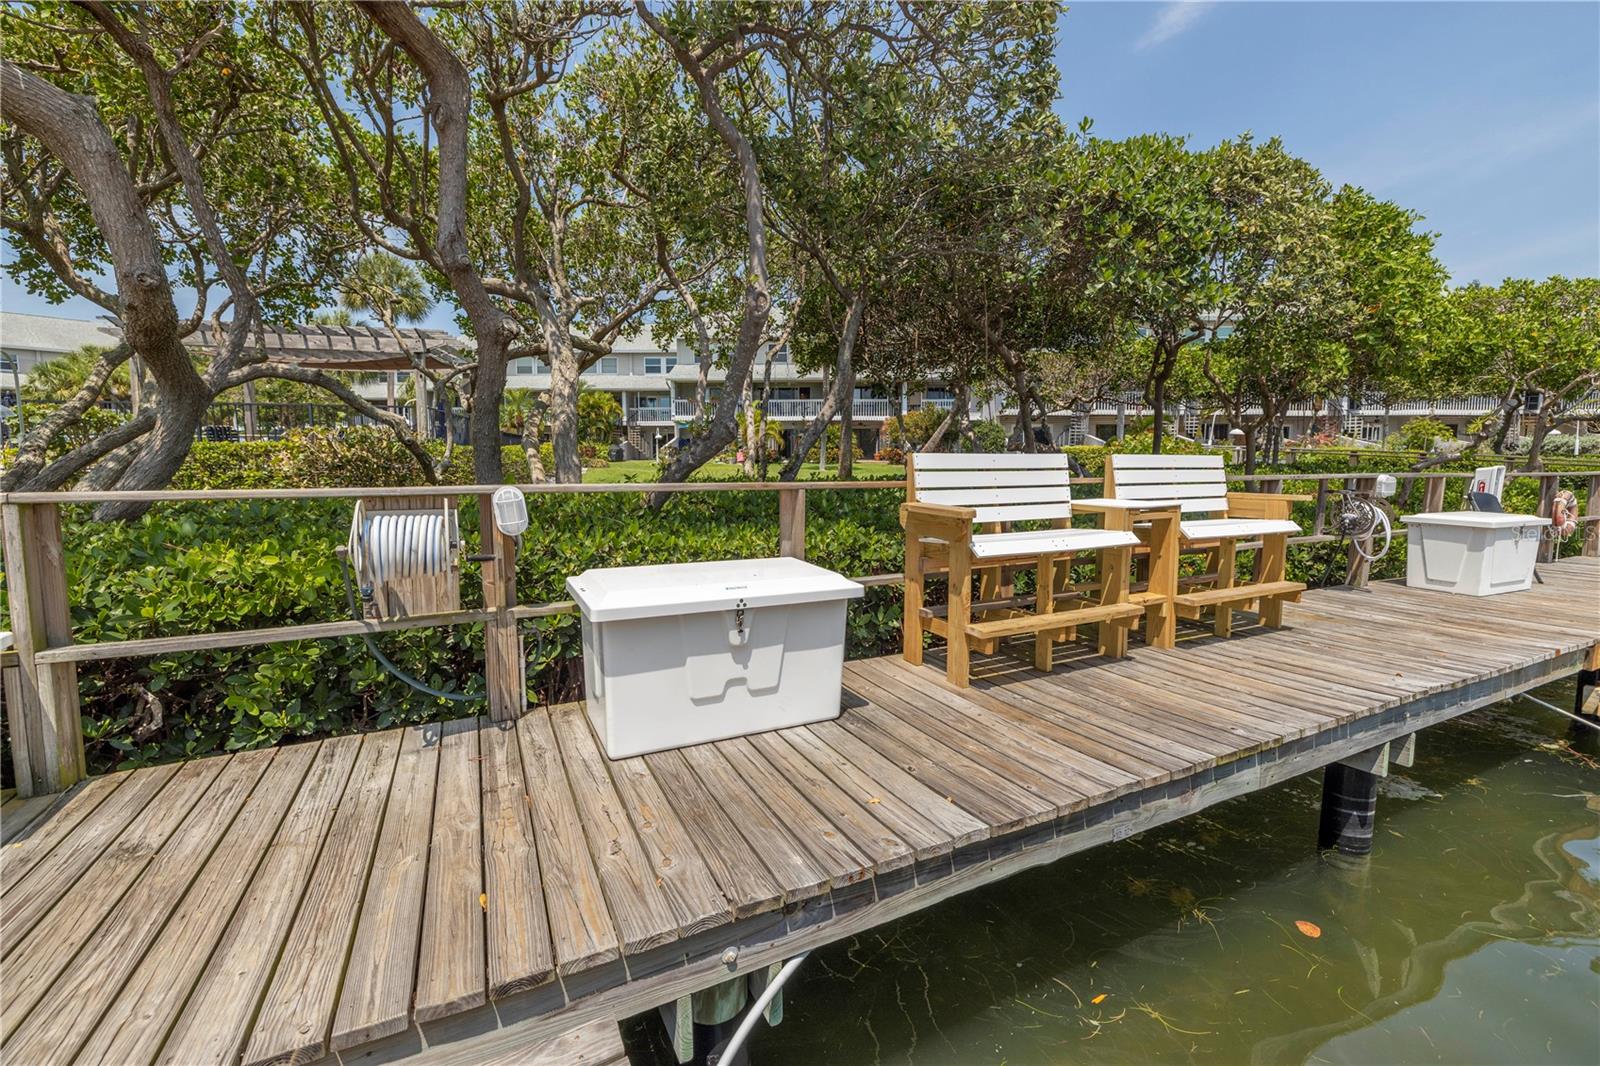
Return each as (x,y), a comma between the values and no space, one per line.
(598,415)
(1394,313)
(1525,341)
(60,379)
(220,193)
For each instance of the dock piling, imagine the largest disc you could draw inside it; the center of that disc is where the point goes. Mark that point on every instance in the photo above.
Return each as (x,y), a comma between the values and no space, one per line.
(1349,809)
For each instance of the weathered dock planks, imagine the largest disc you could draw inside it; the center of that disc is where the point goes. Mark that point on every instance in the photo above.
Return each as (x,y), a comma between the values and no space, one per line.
(475,892)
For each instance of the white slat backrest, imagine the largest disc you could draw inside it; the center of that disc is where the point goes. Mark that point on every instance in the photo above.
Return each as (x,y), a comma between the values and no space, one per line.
(1003,487)
(1198,482)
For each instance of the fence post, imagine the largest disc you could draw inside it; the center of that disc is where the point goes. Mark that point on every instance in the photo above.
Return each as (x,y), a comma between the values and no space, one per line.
(1591,528)
(792,522)
(1357,566)
(1433,495)
(503,661)
(42,704)
(1319,522)
(1549,485)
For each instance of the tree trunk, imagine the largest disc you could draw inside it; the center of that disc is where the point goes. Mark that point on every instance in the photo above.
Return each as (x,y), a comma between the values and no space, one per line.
(563,404)
(1541,430)
(750,427)
(1249,449)
(530,448)
(847,442)
(449,106)
(756,304)
(844,385)
(70,128)
(1158,400)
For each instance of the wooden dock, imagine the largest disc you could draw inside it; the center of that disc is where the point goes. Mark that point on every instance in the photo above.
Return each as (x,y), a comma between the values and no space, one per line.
(469,892)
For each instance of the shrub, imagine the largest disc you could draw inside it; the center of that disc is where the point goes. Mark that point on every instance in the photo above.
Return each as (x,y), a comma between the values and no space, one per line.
(598,415)
(891,455)
(1420,435)
(326,458)
(987,437)
(912,430)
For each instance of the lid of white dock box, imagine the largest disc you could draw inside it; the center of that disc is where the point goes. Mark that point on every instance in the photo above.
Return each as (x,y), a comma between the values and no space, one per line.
(624,592)
(1474,519)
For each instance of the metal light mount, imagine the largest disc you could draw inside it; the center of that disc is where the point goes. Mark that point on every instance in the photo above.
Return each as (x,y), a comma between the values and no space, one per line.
(510,510)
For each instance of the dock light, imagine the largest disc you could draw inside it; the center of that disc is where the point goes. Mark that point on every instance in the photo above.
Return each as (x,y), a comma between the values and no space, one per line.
(510,510)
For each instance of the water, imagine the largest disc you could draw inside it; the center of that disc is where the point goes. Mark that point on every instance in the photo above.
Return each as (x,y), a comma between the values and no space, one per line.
(1472,936)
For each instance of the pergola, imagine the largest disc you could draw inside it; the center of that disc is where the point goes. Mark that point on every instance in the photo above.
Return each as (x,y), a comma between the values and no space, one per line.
(359,349)
(349,348)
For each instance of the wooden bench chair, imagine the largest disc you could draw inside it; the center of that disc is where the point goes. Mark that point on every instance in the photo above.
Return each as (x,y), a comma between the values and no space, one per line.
(947,496)
(1214,522)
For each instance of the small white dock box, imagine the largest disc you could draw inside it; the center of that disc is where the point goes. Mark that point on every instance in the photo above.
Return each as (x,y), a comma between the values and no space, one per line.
(693,652)
(1474,553)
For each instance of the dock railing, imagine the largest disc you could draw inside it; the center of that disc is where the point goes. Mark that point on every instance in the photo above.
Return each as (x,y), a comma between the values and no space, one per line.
(40,673)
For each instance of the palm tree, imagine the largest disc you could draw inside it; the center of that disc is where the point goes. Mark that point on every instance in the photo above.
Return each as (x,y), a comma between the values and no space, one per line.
(59,379)
(391,288)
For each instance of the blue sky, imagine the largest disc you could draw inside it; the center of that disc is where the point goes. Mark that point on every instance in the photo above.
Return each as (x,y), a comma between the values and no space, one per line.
(1485,117)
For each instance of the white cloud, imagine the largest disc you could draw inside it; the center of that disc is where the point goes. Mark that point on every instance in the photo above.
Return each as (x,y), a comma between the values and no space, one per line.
(1173,20)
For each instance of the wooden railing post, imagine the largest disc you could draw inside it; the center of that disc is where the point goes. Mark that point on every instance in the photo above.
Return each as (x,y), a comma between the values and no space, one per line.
(42,704)
(792,523)
(1357,566)
(505,666)
(1433,496)
(1591,510)
(1549,485)
(1319,521)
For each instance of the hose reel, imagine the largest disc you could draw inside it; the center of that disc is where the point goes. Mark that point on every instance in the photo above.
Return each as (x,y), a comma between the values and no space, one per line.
(1363,518)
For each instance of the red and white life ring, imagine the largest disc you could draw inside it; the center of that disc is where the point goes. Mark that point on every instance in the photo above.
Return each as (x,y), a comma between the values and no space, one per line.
(1564,514)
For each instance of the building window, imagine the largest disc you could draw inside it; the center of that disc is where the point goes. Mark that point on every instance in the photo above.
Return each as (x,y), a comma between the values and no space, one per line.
(8,362)
(608,365)
(522,366)
(659,364)
(781,355)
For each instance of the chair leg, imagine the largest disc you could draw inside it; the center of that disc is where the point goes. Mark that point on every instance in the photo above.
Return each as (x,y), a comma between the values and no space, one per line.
(958,614)
(911,624)
(1161,615)
(1114,566)
(1044,602)
(1273,561)
(1227,575)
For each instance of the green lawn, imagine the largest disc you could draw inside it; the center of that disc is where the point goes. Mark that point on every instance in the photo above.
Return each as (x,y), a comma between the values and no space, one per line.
(645,470)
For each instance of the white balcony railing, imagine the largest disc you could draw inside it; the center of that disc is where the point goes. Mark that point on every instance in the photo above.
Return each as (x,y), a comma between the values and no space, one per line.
(650,414)
(805,410)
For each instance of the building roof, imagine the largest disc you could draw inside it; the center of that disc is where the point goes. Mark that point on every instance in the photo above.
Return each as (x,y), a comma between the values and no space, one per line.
(47,333)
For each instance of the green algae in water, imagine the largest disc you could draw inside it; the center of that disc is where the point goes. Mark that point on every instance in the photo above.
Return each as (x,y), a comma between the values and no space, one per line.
(1472,936)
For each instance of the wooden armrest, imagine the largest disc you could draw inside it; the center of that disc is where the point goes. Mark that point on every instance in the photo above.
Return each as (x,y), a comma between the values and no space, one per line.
(936,516)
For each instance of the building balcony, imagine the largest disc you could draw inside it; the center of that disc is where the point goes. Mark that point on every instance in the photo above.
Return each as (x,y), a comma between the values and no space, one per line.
(651,415)
(872,410)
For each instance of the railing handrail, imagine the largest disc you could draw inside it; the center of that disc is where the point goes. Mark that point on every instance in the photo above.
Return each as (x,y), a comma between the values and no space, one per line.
(551,488)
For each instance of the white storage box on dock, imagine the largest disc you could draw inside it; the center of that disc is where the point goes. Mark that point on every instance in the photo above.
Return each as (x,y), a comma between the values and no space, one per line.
(693,652)
(1474,553)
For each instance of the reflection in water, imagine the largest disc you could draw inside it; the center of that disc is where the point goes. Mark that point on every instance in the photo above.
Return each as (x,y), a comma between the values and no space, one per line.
(1472,936)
